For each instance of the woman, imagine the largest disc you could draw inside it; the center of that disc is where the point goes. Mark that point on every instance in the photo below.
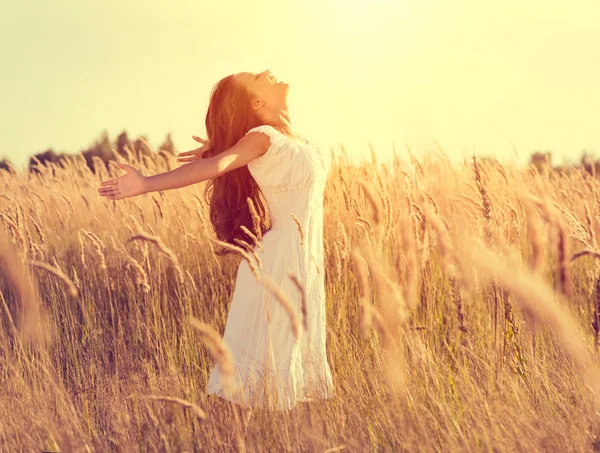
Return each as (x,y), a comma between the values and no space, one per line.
(251,149)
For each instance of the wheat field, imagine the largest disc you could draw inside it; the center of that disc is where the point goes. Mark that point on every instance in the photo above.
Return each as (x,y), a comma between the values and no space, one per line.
(463,309)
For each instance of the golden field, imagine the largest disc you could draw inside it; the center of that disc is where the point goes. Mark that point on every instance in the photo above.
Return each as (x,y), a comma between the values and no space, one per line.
(461,314)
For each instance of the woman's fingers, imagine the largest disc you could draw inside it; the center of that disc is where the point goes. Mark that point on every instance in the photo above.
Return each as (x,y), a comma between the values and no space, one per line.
(190,156)
(200,140)
(108,191)
(187,159)
(109,183)
(190,153)
(108,188)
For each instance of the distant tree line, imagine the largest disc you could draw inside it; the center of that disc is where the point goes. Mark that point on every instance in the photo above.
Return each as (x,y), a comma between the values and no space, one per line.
(543,159)
(102,149)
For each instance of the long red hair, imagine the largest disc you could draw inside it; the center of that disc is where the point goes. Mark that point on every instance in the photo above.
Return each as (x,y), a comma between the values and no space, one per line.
(228,118)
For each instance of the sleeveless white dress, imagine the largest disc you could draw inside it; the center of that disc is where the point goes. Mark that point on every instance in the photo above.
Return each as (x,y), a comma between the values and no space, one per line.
(273,369)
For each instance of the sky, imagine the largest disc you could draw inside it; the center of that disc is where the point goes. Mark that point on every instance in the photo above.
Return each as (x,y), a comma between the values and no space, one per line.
(496,78)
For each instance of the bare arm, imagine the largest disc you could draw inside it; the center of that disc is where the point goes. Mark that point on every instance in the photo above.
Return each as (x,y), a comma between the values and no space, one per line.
(134,183)
(245,150)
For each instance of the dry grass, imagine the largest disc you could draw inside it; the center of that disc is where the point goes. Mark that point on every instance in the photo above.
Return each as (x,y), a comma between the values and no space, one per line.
(219,351)
(463,314)
(169,399)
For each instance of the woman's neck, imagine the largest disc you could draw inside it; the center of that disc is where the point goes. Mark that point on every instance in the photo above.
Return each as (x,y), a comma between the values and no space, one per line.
(282,121)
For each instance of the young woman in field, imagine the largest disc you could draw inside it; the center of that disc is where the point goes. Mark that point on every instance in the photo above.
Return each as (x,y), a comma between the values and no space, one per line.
(252,149)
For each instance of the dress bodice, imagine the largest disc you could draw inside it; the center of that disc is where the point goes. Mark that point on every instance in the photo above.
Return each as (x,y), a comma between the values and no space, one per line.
(291,176)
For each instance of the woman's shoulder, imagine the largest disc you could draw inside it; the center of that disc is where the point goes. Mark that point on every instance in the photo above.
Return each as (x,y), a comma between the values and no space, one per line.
(277,138)
(266,129)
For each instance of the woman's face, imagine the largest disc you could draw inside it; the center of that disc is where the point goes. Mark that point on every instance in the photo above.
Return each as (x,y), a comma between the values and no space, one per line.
(264,88)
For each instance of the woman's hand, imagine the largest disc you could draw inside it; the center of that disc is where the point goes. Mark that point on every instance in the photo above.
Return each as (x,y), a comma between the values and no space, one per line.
(195,154)
(129,185)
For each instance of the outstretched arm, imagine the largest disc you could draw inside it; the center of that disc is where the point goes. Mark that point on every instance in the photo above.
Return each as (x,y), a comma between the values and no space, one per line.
(134,183)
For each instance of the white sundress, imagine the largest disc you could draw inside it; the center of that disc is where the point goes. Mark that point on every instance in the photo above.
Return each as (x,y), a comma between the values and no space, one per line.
(273,369)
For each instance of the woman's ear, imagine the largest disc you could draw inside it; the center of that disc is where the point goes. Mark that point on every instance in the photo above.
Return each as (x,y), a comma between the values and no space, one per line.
(256,104)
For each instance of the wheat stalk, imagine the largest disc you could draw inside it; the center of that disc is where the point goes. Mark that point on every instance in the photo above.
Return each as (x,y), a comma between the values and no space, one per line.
(142,277)
(374,203)
(16,231)
(58,273)
(303,308)
(255,218)
(252,236)
(249,248)
(300,229)
(157,241)
(38,228)
(241,251)
(98,246)
(219,351)
(180,402)
(366,314)
(585,252)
